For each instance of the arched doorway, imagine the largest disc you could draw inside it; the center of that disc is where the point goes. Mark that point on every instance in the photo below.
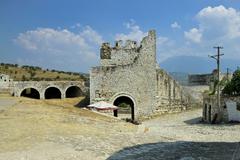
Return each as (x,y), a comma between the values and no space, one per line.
(52,93)
(125,107)
(30,93)
(73,91)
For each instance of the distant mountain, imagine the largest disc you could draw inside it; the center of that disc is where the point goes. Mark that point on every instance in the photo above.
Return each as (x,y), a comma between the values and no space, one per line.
(193,64)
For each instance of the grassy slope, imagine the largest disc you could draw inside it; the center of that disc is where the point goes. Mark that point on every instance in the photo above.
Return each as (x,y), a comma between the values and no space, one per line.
(20,73)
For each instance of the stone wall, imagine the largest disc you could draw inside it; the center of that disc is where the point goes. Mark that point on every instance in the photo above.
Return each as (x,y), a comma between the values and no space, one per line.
(42,86)
(200,79)
(131,71)
(210,108)
(171,97)
(5,82)
(206,79)
(133,76)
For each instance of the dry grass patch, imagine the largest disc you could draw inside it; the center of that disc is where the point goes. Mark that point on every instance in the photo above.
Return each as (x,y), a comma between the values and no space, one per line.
(33,121)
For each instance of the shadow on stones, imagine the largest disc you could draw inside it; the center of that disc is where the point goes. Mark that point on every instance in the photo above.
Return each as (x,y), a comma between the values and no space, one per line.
(84,102)
(180,150)
(197,120)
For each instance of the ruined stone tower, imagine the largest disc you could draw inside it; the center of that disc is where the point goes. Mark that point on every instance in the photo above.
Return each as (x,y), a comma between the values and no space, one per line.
(129,73)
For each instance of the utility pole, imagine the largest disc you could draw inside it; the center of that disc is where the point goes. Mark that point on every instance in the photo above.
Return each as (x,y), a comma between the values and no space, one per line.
(228,72)
(217,58)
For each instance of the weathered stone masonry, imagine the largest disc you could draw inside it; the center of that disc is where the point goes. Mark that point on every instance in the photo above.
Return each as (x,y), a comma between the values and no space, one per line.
(41,86)
(131,71)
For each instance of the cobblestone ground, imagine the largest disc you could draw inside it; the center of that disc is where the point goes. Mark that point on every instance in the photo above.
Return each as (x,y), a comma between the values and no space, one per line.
(182,136)
(175,136)
(180,150)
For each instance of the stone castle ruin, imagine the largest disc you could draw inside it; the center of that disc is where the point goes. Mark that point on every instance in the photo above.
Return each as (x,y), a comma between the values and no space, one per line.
(130,74)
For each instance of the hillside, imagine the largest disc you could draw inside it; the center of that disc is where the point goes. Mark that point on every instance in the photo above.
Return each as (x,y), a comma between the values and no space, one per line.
(34,73)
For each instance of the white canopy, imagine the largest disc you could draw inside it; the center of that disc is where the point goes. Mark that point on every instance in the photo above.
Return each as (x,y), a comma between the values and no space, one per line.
(102,105)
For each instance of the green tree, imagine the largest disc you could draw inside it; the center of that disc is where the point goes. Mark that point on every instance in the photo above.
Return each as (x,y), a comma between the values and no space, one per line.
(228,89)
(236,82)
(233,87)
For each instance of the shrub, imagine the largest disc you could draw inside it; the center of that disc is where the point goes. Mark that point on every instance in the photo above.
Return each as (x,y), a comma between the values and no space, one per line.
(228,89)
(233,87)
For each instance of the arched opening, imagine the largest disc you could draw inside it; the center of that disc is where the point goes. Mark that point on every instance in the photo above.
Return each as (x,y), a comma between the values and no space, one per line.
(125,107)
(52,93)
(73,91)
(30,93)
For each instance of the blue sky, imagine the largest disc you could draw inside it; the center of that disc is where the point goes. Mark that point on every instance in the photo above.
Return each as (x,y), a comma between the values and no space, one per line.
(66,35)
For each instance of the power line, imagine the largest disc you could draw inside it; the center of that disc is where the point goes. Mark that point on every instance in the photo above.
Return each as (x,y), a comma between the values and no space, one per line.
(217,58)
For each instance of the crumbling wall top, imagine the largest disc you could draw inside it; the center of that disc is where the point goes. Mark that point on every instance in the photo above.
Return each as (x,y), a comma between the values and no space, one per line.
(123,53)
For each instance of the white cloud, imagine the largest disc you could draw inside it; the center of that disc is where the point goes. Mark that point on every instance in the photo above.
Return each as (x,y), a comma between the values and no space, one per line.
(175,25)
(55,45)
(162,40)
(216,26)
(219,22)
(135,33)
(193,35)
(91,35)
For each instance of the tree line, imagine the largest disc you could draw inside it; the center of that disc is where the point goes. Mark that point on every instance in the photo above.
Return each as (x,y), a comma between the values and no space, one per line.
(31,70)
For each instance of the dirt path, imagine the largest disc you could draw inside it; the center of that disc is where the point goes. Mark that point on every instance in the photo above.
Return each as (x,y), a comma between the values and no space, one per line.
(7,102)
(55,130)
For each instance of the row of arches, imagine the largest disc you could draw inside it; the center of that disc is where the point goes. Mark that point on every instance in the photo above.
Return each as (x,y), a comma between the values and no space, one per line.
(125,103)
(52,93)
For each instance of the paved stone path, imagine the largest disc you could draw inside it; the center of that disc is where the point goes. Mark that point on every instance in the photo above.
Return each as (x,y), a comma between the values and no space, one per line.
(182,137)
(179,150)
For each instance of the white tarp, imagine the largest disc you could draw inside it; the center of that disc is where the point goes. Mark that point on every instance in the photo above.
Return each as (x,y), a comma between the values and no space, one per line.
(102,105)
(233,113)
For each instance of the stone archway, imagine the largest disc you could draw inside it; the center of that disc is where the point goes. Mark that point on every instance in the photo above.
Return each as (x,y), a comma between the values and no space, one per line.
(52,93)
(30,93)
(73,91)
(126,106)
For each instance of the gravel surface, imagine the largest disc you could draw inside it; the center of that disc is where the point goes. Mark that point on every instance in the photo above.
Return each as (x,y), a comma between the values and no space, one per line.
(36,130)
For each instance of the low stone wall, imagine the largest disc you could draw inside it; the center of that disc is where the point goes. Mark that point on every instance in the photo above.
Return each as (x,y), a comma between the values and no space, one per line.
(211,109)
